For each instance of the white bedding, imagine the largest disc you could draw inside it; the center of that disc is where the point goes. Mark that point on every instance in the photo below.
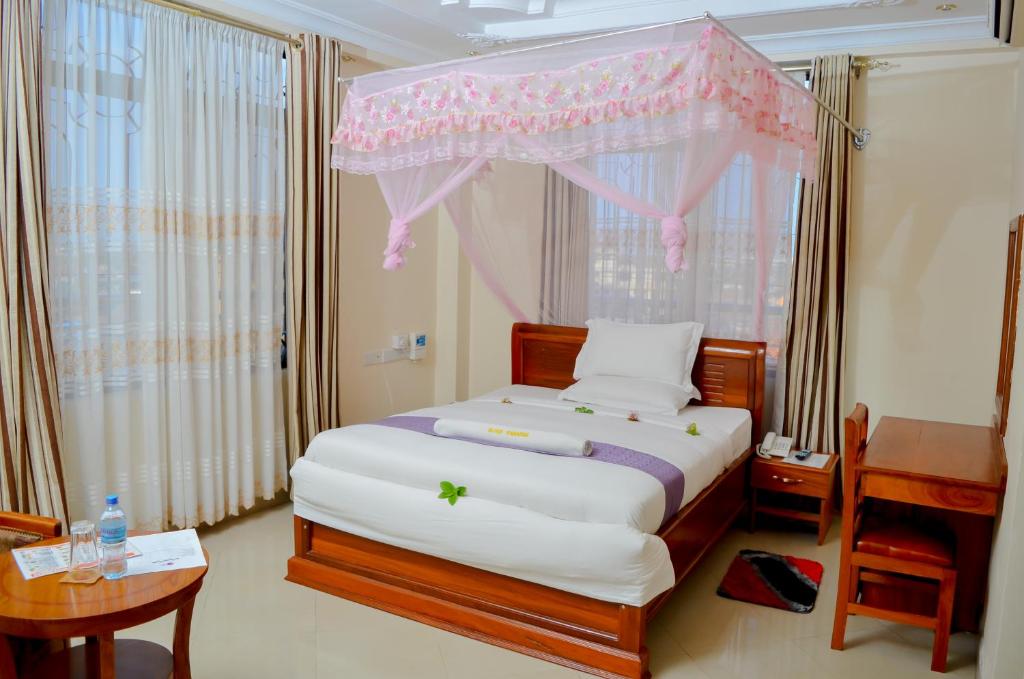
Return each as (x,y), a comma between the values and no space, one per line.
(579,525)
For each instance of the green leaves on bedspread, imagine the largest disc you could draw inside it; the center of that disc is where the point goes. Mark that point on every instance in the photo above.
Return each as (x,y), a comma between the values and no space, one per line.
(692,429)
(585,410)
(450,492)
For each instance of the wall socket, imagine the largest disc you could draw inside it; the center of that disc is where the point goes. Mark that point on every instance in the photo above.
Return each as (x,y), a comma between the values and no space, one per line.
(385,356)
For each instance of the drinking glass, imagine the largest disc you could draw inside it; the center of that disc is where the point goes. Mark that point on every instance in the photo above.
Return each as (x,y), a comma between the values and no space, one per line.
(85,557)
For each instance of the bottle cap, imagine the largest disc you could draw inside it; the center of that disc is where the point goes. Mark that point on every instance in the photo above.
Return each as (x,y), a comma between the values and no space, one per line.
(111,499)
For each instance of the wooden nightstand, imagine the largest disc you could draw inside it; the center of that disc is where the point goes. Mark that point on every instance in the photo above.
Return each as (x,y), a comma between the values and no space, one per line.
(784,477)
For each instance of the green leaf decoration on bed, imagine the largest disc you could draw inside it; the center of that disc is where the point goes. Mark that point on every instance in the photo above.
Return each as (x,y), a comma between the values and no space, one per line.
(451,492)
(692,429)
(585,410)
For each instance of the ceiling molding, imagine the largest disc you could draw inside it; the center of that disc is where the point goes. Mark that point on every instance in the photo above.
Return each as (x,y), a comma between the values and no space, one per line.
(486,39)
(521,6)
(722,8)
(949,30)
(877,35)
(581,16)
(398,32)
(297,13)
(875,3)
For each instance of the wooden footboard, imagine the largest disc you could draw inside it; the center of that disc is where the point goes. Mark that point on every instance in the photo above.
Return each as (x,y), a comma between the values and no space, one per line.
(569,629)
(602,638)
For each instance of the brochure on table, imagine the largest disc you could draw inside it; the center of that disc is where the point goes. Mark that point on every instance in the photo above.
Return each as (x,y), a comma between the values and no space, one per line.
(35,562)
(154,553)
(167,552)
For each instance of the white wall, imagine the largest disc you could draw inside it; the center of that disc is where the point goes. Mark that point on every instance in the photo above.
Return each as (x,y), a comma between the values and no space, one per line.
(931,195)
(1002,653)
(376,303)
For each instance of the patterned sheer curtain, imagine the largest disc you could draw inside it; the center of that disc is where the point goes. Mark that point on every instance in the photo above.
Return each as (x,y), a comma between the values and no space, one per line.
(165,180)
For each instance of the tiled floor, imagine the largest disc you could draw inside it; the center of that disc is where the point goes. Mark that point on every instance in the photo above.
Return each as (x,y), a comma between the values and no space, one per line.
(250,623)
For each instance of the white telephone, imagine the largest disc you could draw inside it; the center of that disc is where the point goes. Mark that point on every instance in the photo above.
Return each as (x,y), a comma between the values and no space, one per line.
(775,445)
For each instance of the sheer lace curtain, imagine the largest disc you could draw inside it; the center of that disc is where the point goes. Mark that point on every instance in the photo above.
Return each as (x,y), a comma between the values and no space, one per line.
(165,180)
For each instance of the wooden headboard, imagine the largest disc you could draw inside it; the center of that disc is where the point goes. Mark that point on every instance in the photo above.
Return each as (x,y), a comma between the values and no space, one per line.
(729,373)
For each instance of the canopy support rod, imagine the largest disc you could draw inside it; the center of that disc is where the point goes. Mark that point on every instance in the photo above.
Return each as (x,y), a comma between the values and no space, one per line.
(861,136)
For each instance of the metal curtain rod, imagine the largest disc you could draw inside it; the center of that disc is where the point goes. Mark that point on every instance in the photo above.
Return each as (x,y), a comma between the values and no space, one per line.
(861,136)
(225,19)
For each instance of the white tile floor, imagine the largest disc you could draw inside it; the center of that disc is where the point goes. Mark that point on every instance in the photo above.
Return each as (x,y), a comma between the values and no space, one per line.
(250,623)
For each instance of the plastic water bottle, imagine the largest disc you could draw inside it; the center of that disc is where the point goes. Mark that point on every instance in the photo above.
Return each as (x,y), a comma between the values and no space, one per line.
(113,535)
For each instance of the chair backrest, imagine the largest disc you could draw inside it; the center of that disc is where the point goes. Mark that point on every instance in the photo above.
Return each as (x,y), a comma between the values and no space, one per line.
(856,434)
(18,530)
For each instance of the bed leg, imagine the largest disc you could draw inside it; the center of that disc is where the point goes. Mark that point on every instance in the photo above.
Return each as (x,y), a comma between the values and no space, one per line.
(633,632)
(302,536)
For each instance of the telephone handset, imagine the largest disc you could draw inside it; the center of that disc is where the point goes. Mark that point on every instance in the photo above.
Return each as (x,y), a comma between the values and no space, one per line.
(775,445)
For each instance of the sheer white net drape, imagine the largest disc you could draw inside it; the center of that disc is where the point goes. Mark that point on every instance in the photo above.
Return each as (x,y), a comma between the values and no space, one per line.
(165,178)
(630,282)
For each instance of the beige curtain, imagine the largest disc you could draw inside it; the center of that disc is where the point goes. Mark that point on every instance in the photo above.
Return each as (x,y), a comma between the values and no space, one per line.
(313,224)
(565,252)
(816,333)
(31,477)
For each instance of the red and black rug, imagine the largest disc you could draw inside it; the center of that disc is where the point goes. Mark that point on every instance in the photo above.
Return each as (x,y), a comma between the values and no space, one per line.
(774,580)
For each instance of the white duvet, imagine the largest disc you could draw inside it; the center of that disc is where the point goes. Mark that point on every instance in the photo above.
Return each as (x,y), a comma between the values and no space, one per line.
(577,524)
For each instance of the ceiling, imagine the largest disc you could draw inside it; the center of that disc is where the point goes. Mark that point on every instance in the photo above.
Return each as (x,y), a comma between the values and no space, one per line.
(420,31)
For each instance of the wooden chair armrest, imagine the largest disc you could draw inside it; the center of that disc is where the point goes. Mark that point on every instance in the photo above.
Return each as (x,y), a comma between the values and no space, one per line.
(44,525)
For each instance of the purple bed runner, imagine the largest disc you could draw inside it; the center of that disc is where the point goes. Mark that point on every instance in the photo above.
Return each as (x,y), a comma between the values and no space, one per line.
(669,475)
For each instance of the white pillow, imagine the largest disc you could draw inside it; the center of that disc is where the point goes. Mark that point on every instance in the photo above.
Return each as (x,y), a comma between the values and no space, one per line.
(630,393)
(663,352)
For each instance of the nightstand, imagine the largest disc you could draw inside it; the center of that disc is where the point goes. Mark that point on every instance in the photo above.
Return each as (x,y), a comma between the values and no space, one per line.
(780,477)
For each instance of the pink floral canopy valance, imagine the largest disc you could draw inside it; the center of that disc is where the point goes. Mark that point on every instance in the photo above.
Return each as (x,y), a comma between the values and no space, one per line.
(620,92)
(430,134)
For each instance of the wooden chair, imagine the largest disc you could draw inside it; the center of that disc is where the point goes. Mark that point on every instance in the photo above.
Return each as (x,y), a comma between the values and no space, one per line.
(890,554)
(35,527)
(19,530)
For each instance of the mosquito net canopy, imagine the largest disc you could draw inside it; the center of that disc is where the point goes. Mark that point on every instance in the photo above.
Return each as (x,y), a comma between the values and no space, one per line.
(693,90)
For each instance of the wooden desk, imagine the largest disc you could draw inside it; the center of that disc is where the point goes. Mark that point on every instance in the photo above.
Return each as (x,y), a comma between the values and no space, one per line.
(959,471)
(45,608)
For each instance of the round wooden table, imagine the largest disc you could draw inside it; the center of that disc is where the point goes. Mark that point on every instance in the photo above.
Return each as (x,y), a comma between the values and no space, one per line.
(46,608)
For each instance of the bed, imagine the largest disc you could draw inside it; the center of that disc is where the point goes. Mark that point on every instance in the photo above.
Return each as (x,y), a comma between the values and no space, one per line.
(589,614)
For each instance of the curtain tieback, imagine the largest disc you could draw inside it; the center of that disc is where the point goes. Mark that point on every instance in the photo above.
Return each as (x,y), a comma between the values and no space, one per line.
(673,238)
(399,240)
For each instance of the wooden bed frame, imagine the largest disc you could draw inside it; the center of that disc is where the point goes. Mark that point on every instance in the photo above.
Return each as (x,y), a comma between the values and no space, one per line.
(598,637)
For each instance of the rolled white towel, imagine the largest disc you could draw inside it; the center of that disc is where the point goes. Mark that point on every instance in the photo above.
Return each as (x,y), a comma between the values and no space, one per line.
(551,442)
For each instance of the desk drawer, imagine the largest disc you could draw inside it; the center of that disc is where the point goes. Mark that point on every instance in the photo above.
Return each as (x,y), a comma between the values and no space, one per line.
(786,480)
(930,494)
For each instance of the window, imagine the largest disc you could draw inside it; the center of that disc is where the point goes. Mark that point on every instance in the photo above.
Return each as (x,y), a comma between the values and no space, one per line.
(628,277)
